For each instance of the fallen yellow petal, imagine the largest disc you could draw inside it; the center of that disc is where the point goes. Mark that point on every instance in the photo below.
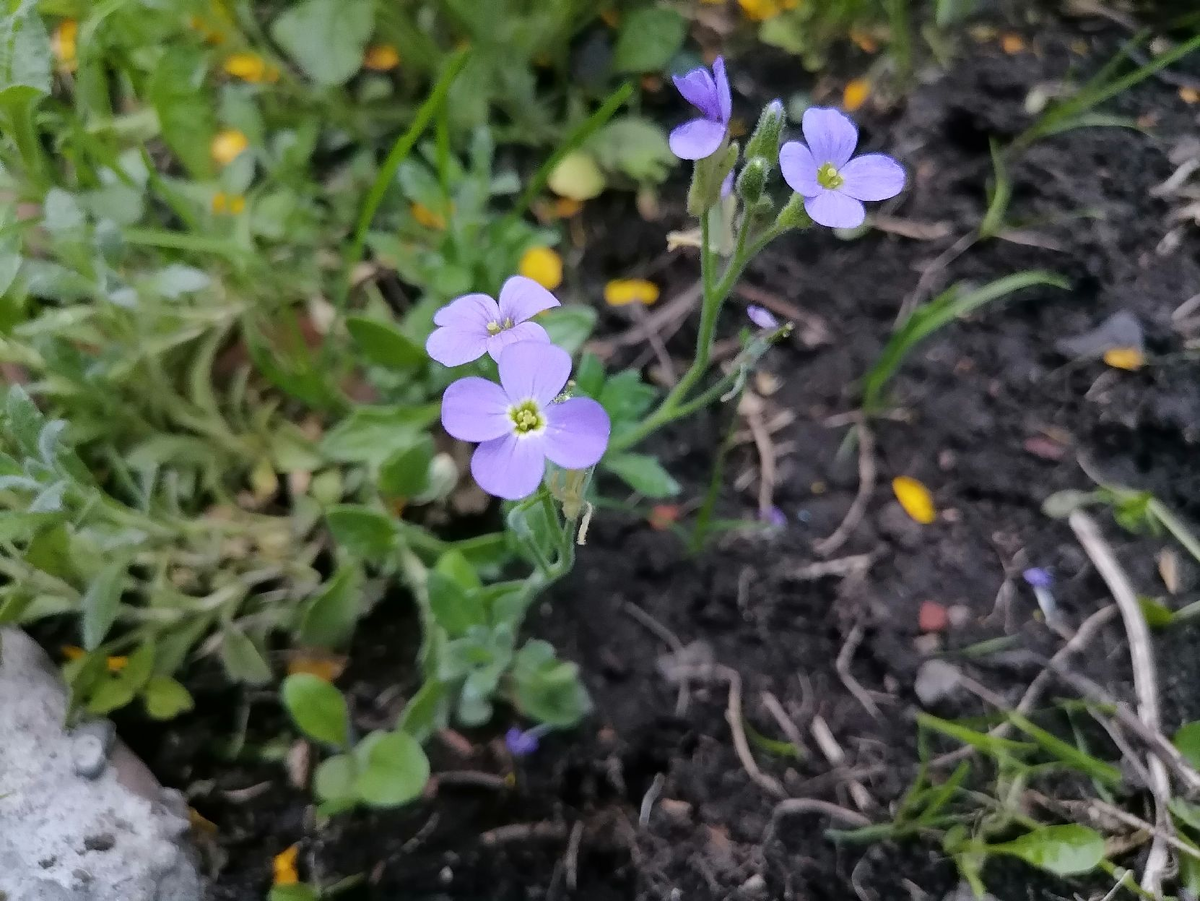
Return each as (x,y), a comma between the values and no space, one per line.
(381,58)
(250,67)
(326,667)
(762,10)
(200,823)
(1012,43)
(285,866)
(114,664)
(855,94)
(915,499)
(623,291)
(427,218)
(228,145)
(1189,94)
(542,265)
(64,44)
(1124,358)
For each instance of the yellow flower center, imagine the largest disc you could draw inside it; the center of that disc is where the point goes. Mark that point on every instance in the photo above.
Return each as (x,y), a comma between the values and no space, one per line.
(829,177)
(496,327)
(527,418)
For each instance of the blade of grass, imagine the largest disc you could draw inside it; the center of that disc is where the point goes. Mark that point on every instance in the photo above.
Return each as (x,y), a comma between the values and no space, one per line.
(573,141)
(942,310)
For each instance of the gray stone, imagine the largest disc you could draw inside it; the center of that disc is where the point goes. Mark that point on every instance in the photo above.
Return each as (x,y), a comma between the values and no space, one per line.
(81,818)
(1121,329)
(936,680)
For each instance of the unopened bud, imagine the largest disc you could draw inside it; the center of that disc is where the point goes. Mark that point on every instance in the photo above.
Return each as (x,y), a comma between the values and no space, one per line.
(764,143)
(752,180)
(793,215)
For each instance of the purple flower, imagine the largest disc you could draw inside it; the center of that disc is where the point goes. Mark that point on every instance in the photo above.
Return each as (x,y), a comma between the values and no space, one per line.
(709,93)
(518,423)
(521,744)
(727,185)
(832,184)
(474,323)
(772,516)
(761,317)
(1036,577)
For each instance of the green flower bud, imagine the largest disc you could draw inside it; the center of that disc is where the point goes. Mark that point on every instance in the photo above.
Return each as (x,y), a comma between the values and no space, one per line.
(707,177)
(764,143)
(793,215)
(752,180)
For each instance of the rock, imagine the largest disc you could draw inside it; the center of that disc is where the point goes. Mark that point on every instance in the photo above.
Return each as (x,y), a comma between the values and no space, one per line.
(1121,329)
(932,617)
(81,818)
(936,680)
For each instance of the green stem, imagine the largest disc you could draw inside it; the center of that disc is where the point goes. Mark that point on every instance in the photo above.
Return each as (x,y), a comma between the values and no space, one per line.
(704,515)
(25,136)
(1176,528)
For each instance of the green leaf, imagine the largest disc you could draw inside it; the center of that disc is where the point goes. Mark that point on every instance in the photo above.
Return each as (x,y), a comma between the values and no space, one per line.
(577,177)
(326,38)
(185,113)
(165,698)
(1157,614)
(24,420)
(1186,811)
(1063,850)
(1187,740)
(383,344)
(396,771)
(648,39)
(367,534)
(569,327)
(625,397)
(297,892)
(101,602)
(334,778)
(372,434)
(405,474)
(242,659)
(317,708)
(454,608)
(454,564)
(24,54)
(643,474)
(547,689)
(425,712)
(636,147)
(330,618)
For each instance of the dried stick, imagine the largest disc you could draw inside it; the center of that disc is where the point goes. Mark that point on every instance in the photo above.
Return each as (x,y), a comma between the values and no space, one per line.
(833,752)
(1145,683)
(753,411)
(733,715)
(785,722)
(842,666)
(671,639)
(573,855)
(866,484)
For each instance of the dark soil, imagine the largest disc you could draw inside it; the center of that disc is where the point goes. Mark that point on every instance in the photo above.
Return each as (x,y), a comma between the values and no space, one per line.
(994,420)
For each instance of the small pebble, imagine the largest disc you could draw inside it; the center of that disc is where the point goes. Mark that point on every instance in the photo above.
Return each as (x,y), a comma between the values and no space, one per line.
(936,680)
(932,617)
(90,744)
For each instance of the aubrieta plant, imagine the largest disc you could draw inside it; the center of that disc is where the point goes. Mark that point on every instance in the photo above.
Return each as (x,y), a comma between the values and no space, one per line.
(542,436)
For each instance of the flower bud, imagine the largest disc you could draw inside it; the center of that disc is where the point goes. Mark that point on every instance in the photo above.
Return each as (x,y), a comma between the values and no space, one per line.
(793,215)
(707,177)
(764,143)
(752,180)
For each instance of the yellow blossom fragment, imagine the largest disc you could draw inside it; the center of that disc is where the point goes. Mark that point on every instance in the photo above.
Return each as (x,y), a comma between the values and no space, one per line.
(855,94)
(115,664)
(1124,358)
(866,42)
(326,667)
(542,265)
(381,58)
(228,204)
(228,145)
(64,44)
(762,10)
(1189,94)
(915,499)
(427,218)
(624,291)
(1012,43)
(285,866)
(250,67)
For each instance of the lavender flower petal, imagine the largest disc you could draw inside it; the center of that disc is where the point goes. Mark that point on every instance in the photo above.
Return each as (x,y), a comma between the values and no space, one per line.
(697,139)
(453,345)
(509,467)
(576,433)
(761,317)
(727,185)
(799,169)
(468,310)
(474,409)
(534,370)
(831,136)
(724,98)
(698,89)
(1037,577)
(522,298)
(521,744)
(873,176)
(835,210)
(522,331)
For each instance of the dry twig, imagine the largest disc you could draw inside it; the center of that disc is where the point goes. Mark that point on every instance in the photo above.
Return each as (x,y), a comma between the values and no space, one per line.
(866,484)
(781,717)
(671,639)
(842,665)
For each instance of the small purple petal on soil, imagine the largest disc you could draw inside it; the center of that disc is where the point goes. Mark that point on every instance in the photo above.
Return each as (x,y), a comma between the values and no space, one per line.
(772,516)
(521,743)
(761,317)
(1036,577)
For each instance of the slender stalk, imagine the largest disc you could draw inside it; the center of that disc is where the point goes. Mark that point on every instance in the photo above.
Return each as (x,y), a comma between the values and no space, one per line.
(704,515)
